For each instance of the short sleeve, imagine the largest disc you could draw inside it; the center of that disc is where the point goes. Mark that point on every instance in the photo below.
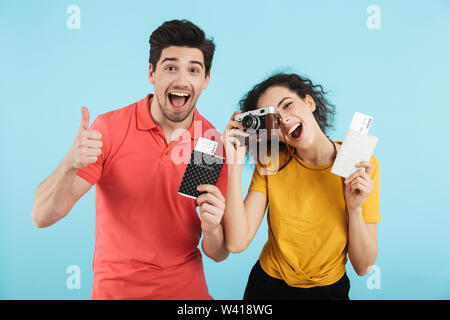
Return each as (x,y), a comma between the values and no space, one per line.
(259,181)
(93,172)
(371,206)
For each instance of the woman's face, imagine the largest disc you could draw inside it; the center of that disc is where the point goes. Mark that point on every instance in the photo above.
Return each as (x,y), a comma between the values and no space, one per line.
(298,127)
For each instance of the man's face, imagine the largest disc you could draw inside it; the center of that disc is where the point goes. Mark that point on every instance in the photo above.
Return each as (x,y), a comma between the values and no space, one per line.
(178,79)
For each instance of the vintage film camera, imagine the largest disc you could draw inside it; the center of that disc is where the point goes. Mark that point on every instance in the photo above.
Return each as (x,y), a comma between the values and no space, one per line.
(260,124)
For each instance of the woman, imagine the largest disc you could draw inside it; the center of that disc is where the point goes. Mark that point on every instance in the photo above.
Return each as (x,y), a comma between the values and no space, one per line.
(315,218)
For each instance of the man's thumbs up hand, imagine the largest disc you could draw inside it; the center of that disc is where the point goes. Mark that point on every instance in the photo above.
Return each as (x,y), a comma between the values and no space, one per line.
(84,119)
(87,145)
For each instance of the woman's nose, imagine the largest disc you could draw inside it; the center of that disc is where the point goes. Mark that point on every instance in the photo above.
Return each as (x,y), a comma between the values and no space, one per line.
(284,118)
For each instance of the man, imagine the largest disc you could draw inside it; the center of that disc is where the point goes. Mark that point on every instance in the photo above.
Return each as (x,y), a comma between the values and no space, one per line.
(146,234)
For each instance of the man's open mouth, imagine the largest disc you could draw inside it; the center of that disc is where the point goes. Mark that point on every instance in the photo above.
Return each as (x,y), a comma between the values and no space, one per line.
(296,131)
(178,99)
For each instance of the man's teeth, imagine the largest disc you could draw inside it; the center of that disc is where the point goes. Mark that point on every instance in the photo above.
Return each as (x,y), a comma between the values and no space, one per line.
(179,94)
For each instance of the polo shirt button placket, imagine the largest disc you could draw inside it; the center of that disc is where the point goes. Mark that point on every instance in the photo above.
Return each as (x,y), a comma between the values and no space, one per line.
(165,159)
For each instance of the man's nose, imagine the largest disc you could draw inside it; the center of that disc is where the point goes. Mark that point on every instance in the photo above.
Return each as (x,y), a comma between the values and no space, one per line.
(182,78)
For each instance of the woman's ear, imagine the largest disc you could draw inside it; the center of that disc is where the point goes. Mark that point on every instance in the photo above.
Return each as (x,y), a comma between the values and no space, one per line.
(310,103)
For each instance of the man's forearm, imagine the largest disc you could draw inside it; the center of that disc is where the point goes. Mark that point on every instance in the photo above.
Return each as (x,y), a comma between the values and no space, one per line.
(213,244)
(51,197)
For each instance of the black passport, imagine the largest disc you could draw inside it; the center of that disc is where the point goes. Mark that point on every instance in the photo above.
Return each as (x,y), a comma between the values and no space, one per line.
(203,168)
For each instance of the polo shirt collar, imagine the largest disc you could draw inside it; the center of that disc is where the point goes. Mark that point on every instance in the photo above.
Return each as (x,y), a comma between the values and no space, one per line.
(196,119)
(145,120)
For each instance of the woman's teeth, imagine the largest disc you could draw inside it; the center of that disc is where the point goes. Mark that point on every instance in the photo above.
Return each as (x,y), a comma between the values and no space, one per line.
(293,128)
(296,131)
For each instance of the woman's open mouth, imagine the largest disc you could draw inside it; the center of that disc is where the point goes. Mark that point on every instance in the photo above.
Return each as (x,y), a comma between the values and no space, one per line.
(295,133)
(178,99)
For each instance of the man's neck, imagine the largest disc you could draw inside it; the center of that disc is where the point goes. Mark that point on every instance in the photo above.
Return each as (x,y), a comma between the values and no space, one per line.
(172,130)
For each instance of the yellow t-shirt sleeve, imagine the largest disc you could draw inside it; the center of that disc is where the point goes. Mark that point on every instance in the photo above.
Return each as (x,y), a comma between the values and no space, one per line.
(259,181)
(371,206)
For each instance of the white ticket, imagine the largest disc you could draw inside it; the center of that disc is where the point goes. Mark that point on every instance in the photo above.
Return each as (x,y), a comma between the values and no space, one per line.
(361,123)
(206,146)
(357,146)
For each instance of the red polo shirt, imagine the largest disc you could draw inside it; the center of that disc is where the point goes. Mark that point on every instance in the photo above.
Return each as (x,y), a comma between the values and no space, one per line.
(146,234)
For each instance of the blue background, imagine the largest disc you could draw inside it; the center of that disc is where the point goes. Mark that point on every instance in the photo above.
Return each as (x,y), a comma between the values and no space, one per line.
(399,74)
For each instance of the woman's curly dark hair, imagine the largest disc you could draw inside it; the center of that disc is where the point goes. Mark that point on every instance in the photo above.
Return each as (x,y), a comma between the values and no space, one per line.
(324,112)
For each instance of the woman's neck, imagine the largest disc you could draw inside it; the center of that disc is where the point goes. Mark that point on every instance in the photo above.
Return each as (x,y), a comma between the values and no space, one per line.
(320,152)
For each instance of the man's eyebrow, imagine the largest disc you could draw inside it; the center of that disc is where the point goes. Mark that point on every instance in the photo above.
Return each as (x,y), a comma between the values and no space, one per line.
(175,59)
(169,59)
(196,62)
(279,103)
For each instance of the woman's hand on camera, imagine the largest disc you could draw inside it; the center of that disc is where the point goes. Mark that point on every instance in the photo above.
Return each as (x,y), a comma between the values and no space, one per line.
(233,139)
(358,186)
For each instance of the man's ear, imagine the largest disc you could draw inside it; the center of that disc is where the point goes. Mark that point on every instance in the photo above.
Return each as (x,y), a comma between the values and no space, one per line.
(208,77)
(151,74)
(310,103)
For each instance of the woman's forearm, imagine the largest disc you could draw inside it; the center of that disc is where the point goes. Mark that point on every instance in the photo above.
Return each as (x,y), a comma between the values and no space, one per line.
(362,248)
(235,219)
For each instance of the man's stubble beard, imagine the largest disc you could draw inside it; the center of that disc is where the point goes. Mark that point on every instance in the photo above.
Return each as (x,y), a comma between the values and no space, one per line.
(174,116)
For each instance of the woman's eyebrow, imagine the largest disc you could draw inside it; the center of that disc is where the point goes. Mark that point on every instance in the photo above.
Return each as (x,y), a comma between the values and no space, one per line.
(279,103)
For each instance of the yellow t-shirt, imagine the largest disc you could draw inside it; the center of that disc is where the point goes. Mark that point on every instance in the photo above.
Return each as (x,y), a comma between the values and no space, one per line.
(308,223)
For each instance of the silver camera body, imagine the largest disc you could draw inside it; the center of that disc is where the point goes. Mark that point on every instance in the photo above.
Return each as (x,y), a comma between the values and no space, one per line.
(260,124)
(260,119)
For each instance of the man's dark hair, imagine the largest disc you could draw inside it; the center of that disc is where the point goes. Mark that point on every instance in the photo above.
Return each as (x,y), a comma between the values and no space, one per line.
(180,33)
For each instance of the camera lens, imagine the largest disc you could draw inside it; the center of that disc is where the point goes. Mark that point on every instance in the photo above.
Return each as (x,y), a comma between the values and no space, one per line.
(250,122)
